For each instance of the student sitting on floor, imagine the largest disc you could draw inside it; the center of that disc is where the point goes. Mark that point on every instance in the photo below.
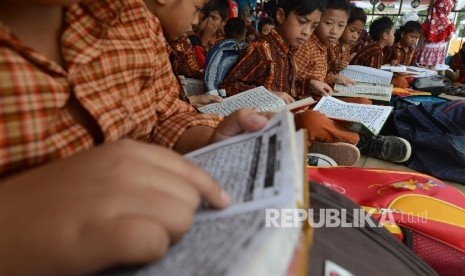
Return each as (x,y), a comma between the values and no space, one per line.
(78,78)
(403,52)
(382,32)
(312,63)
(269,62)
(339,55)
(312,57)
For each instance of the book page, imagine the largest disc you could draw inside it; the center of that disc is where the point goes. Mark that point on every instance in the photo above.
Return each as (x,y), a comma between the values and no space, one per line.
(360,73)
(297,104)
(258,97)
(394,68)
(259,170)
(421,72)
(372,117)
(193,86)
(373,91)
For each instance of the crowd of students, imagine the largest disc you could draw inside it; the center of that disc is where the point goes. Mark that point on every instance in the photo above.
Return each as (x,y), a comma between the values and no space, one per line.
(92,113)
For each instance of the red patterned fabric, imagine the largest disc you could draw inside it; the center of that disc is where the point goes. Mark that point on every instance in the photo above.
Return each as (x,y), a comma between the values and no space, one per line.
(438,27)
(432,53)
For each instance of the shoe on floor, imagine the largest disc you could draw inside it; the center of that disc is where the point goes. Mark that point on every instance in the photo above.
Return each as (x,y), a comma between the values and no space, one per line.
(344,154)
(388,148)
(320,160)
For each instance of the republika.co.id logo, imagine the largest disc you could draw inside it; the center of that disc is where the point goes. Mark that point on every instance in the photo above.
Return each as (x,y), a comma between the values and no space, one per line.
(340,217)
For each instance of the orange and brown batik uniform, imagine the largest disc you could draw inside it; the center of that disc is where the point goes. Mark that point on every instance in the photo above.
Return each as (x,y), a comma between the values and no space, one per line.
(398,53)
(312,63)
(371,56)
(338,52)
(184,60)
(267,61)
(117,68)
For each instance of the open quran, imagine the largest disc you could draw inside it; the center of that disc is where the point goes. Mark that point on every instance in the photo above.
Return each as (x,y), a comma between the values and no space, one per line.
(258,97)
(372,91)
(361,118)
(260,171)
(371,83)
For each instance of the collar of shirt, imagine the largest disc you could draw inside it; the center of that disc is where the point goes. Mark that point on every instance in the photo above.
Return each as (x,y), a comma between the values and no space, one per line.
(11,41)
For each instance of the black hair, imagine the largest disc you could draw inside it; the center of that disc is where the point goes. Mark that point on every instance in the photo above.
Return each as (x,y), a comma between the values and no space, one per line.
(357,13)
(379,27)
(235,27)
(340,5)
(301,7)
(409,27)
(206,8)
(265,21)
(221,6)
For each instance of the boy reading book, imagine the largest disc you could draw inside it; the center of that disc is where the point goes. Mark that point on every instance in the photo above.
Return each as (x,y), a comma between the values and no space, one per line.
(339,55)
(403,51)
(382,32)
(312,63)
(312,57)
(269,62)
(70,186)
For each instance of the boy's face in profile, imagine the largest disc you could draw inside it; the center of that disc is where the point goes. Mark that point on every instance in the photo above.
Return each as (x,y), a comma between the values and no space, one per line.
(297,29)
(390,37)
(177,17)
(266,29)
(352,32)
(331,27)
(409,39)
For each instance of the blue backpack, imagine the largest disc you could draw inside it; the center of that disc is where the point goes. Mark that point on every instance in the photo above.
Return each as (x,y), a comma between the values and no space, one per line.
(436,132)
(220,60)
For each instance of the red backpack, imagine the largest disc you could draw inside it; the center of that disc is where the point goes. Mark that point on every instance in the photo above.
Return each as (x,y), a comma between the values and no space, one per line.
(429,215)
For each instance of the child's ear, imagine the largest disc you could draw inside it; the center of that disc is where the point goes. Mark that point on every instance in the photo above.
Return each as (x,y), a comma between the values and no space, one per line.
(280,16)
(385,35)
(402,35)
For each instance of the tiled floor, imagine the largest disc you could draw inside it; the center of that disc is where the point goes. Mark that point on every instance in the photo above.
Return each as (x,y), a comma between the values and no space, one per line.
(369,162)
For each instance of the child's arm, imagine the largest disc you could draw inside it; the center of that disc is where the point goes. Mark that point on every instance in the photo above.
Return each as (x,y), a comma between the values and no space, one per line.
(243,120)
(97,209)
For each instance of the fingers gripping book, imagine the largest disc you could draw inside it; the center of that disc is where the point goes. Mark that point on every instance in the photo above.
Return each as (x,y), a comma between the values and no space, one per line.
(259,170)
